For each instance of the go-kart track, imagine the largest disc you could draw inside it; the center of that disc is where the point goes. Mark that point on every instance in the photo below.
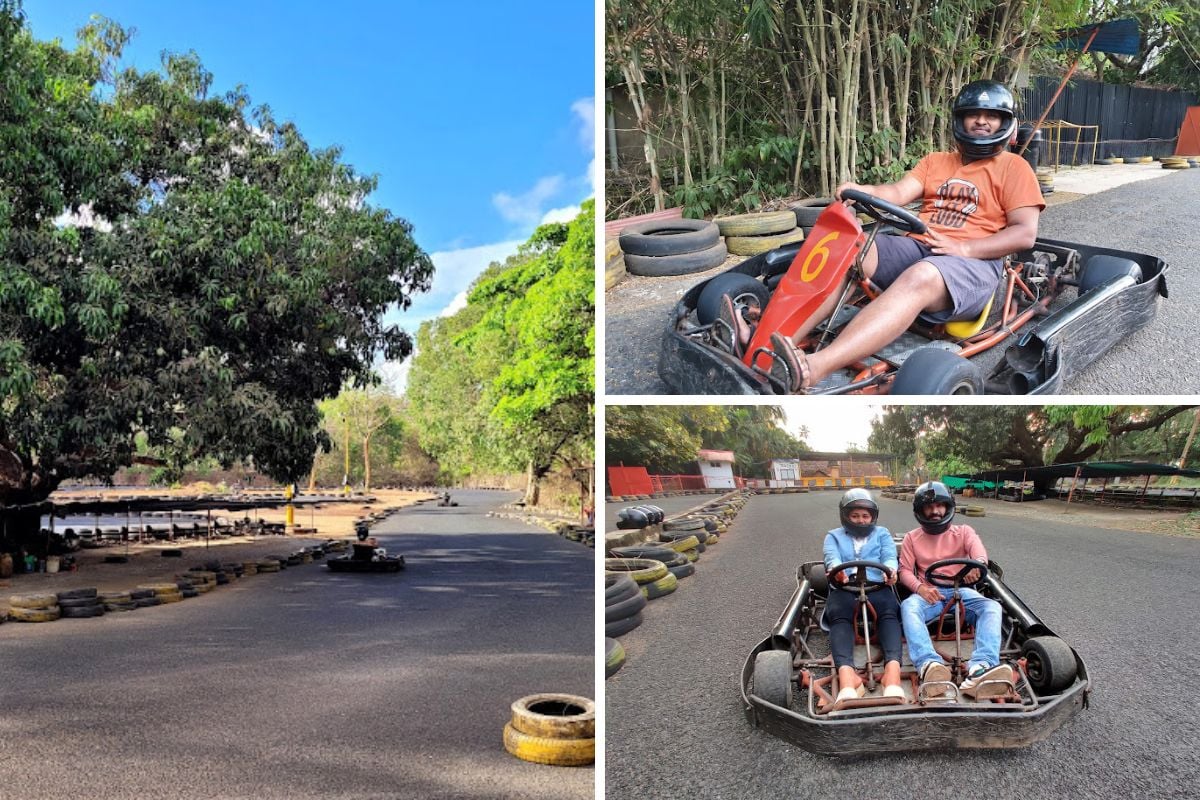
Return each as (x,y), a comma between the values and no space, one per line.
(1153,217)
(1122,599)
(315,684)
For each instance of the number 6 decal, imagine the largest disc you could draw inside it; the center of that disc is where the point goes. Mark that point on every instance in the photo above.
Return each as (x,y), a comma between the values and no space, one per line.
(807,272)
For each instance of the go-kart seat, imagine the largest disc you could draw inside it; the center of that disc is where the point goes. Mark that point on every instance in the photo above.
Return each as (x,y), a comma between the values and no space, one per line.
(962,328)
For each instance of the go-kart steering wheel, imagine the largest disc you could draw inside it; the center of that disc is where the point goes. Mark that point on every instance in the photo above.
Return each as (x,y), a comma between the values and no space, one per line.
(953,582)
(883,211)
(863,580)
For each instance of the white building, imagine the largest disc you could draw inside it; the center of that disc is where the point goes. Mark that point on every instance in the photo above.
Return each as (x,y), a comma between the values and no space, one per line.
(716,467)
(784,472)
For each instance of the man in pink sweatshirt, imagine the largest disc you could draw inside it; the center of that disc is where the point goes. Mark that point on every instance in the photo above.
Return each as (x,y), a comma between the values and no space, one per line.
(935,540)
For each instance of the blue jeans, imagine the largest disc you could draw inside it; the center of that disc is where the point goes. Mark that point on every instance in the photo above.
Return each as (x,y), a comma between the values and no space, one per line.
(984,614)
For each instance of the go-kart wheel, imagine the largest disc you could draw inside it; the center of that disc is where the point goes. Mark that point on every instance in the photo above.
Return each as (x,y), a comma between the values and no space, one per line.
(819,580)
(1050,664)
(957,579)
(742,290)
(897,216)
(932,370)
(773,677)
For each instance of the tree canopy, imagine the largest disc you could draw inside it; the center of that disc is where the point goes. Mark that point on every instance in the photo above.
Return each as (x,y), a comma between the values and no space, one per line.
(508,381)
(177,264)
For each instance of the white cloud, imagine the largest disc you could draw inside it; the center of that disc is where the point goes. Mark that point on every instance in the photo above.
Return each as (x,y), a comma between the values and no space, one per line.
(564,214)
(526,209)
(833,426)
(457,304)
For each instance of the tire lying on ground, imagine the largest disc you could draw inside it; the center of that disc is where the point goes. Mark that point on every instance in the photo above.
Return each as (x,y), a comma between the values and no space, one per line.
(621,627)
(614,271)
(618,586)
(33,600)
(668,237)
(680,264)
(642,570)
(21,614)
(663,586)
(544,750)
(557,716)
(753,245)
(756,224)
(807,211)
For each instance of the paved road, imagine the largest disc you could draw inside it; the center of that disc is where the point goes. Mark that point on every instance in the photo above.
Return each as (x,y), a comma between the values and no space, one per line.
(1124,600)
(307,684)
(1158,216)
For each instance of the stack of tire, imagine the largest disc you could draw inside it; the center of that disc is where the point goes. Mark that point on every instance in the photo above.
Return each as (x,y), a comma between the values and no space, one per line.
(117,601)
(676,556)
(973,511)
(634,518)
(164,592)
(751,234)
(554,729)
(38,607)
(270,565)
(623,602)
(1045,179)
(80,603)
(671,247)
(614,263)
(807,211)
(1176,162)
(143,598)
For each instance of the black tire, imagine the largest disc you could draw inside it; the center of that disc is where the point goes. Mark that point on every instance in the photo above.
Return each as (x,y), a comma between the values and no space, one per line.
(682,264)
(663,586)
(93,610)
(819,580)
(931,370)
(808,210)
(171,552)
(663,554)
(734,284)
(618,587)
(622,626)
(624,608)
(77,602)
(1051,665)
(773,677)
(1101,268)
(684,570)
(686,524)
(77,594)
(668,237)
(614,657)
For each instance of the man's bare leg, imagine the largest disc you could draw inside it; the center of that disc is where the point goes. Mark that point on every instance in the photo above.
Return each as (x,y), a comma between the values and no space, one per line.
(919,288)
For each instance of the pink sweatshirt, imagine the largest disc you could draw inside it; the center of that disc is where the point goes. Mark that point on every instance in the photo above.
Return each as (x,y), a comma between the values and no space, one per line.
(920,549)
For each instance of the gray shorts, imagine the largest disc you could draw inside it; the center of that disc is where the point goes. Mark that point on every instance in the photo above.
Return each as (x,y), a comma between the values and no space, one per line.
(970,281)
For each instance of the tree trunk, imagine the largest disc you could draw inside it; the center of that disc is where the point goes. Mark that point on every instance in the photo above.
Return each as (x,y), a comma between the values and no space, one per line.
(367,463)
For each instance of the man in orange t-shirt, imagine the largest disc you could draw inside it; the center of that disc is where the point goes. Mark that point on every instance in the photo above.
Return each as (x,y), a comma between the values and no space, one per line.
(980,204)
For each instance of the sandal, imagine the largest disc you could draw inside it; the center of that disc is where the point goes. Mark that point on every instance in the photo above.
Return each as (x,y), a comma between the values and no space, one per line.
(730,330)
(789,368)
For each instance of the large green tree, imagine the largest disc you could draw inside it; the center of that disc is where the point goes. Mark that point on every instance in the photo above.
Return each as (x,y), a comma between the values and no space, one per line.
(175,264)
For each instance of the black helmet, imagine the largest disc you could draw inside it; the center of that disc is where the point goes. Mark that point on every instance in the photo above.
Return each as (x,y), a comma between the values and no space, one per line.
(987,96)
(857,498)
(933,492)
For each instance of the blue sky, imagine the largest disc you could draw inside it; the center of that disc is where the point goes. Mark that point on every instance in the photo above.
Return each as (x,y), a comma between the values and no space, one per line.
(476,116)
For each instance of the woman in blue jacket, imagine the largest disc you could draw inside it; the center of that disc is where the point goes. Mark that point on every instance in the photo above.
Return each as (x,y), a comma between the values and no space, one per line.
(860,539)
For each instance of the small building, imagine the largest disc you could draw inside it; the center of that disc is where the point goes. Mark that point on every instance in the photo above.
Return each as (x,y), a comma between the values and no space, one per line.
(784,472)
(716,467)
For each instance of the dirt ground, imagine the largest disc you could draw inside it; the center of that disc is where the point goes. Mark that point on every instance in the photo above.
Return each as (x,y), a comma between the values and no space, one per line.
(1140,520)
(147,565)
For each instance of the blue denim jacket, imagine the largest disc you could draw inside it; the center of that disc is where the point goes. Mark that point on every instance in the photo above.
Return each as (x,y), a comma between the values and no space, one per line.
(839,548)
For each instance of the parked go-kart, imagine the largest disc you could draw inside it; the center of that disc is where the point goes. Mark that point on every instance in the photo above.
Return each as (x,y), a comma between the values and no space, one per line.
(366,556)
(1116,292)
(789,684)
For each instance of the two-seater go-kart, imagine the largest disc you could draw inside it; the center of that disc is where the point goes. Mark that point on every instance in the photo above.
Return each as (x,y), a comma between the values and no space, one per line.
(1050,339)
(789,685)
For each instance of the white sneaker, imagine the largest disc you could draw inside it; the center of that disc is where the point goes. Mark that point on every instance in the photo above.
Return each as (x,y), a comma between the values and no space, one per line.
(998,680)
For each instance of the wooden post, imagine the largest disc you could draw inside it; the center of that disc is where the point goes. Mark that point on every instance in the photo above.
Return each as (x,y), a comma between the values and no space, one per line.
(1075,480)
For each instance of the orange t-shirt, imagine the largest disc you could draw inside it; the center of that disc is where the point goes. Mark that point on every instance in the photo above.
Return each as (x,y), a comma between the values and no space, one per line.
(970,201)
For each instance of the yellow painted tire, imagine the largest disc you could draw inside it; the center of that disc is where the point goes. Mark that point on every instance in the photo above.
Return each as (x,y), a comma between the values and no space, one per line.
(612,248)
(35,601)
(168,597)
(614,272)
(250,568)
(642,570)
(664,585)
(753,245)
(757,224)
(556,716)
(555,752)
(684,544)
(34,614)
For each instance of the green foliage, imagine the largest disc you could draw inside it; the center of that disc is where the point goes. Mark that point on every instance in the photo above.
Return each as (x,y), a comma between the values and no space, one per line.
(748,174)
(879,159)
(232,276)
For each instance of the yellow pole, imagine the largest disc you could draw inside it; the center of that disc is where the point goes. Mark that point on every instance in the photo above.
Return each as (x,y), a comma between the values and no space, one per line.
(290,513)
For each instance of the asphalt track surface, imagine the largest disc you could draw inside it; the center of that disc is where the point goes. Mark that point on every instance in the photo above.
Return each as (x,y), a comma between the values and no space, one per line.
(1160,217)
(1125,601)
(309,684)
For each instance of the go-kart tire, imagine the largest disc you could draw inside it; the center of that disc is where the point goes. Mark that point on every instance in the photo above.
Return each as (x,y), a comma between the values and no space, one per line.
(819,580)
(622,626)
(614,657)
(642,570)
(624,608)
(668,237)
(734,284)
(618,587)
(682,264)
(1050,664)
(544,750)
(773,677)
(663,586)
(555,716)
(753,245)
(931,370)
(756,224)
(1100,269)
(683,570)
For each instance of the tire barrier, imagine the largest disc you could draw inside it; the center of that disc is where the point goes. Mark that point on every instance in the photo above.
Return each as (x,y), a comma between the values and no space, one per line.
(547,750)
(614,657)
(642,570)
(756,224)
(663,586)
(623,604)
(753,245)
(555,716)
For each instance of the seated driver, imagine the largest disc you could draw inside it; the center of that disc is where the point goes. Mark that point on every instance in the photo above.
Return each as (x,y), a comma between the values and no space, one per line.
(980,203)
(935,540)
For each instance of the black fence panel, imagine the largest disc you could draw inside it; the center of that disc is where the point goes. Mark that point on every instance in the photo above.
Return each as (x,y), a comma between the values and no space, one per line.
(1133,121)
